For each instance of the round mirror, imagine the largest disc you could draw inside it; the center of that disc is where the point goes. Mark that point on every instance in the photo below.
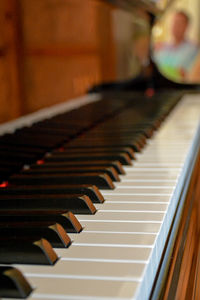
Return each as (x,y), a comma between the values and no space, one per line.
(175,42)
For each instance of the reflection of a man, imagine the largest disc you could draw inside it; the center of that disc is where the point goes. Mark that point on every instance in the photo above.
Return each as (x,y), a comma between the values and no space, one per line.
(147,76)
(175,59)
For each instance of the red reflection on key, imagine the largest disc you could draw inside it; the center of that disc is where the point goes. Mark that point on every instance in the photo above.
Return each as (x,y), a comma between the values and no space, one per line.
(40,162)
(4,184)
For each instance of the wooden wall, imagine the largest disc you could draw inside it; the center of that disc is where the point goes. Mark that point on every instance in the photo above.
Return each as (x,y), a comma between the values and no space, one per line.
(51,51)
(10,83)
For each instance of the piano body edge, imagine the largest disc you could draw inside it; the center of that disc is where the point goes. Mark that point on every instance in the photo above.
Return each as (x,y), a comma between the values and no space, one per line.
(178,272)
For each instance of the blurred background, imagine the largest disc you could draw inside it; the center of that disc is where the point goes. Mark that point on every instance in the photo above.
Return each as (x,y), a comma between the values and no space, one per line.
(55,50)
(186,52)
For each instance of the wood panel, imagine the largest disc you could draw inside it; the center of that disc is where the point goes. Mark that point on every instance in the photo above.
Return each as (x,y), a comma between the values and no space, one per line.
(51,80)
(11,92)
(55,50)
(63,47)
(59,21)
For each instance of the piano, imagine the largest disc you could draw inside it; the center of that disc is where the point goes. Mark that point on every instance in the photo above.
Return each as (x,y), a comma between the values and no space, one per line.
(99,196)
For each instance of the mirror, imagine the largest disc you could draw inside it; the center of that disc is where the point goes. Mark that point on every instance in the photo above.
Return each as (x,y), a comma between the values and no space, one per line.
(175,42)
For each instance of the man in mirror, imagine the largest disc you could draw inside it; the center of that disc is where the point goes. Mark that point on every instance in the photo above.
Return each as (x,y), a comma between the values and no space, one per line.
(175,58)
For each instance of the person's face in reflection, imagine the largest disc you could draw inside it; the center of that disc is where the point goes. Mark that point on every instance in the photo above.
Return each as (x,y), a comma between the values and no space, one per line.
(179,27)
(141,48)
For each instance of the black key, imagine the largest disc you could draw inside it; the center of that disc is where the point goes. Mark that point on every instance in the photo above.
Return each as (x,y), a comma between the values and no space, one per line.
(13,284)
(147,131)
(123,158)
(69,130)
(39,131)
(88,149)
(18,251)
(112,135)
(74,170)
(48,127)
(86,163)
(15,156)
(30,141)
(77,204)
(10,164)
(41,139)
(21,149)
(5,172)
(8,168)
(113,143)
(89,190)
(55,233)
(102,181)
(65,218)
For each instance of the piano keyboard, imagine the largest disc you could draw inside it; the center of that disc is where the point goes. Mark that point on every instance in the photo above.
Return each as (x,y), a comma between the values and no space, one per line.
(116,256)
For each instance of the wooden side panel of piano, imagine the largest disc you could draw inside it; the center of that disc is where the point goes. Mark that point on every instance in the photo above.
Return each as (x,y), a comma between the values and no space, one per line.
(64,41)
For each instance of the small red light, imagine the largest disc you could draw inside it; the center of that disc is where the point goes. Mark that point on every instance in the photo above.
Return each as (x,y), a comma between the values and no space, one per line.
(4,184)
(61,149)
(40,162)
(149,92)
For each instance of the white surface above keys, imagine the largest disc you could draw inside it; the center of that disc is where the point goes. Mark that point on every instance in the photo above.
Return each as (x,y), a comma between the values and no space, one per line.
(124,205)
(113,238)
(117,254)
(151,183)
(138,198)
(88,289)
(123,216)
(126,226)
(119,271)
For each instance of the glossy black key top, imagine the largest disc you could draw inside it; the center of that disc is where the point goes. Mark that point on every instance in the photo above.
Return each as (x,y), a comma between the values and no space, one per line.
(101,180)
(77,204)
(114,143)
(5,172)
(103,149)
(138,138)
(21,149)
(83,189)
(22,157)
(54,233)
(49,128)
(24,141)
(61,133)
(18,251)
(125,131)
(13,284)
(86,163)
(73,170)
(65,218)
(123,158)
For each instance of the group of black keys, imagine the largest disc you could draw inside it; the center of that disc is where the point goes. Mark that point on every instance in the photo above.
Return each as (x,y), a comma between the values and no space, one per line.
(54,169)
